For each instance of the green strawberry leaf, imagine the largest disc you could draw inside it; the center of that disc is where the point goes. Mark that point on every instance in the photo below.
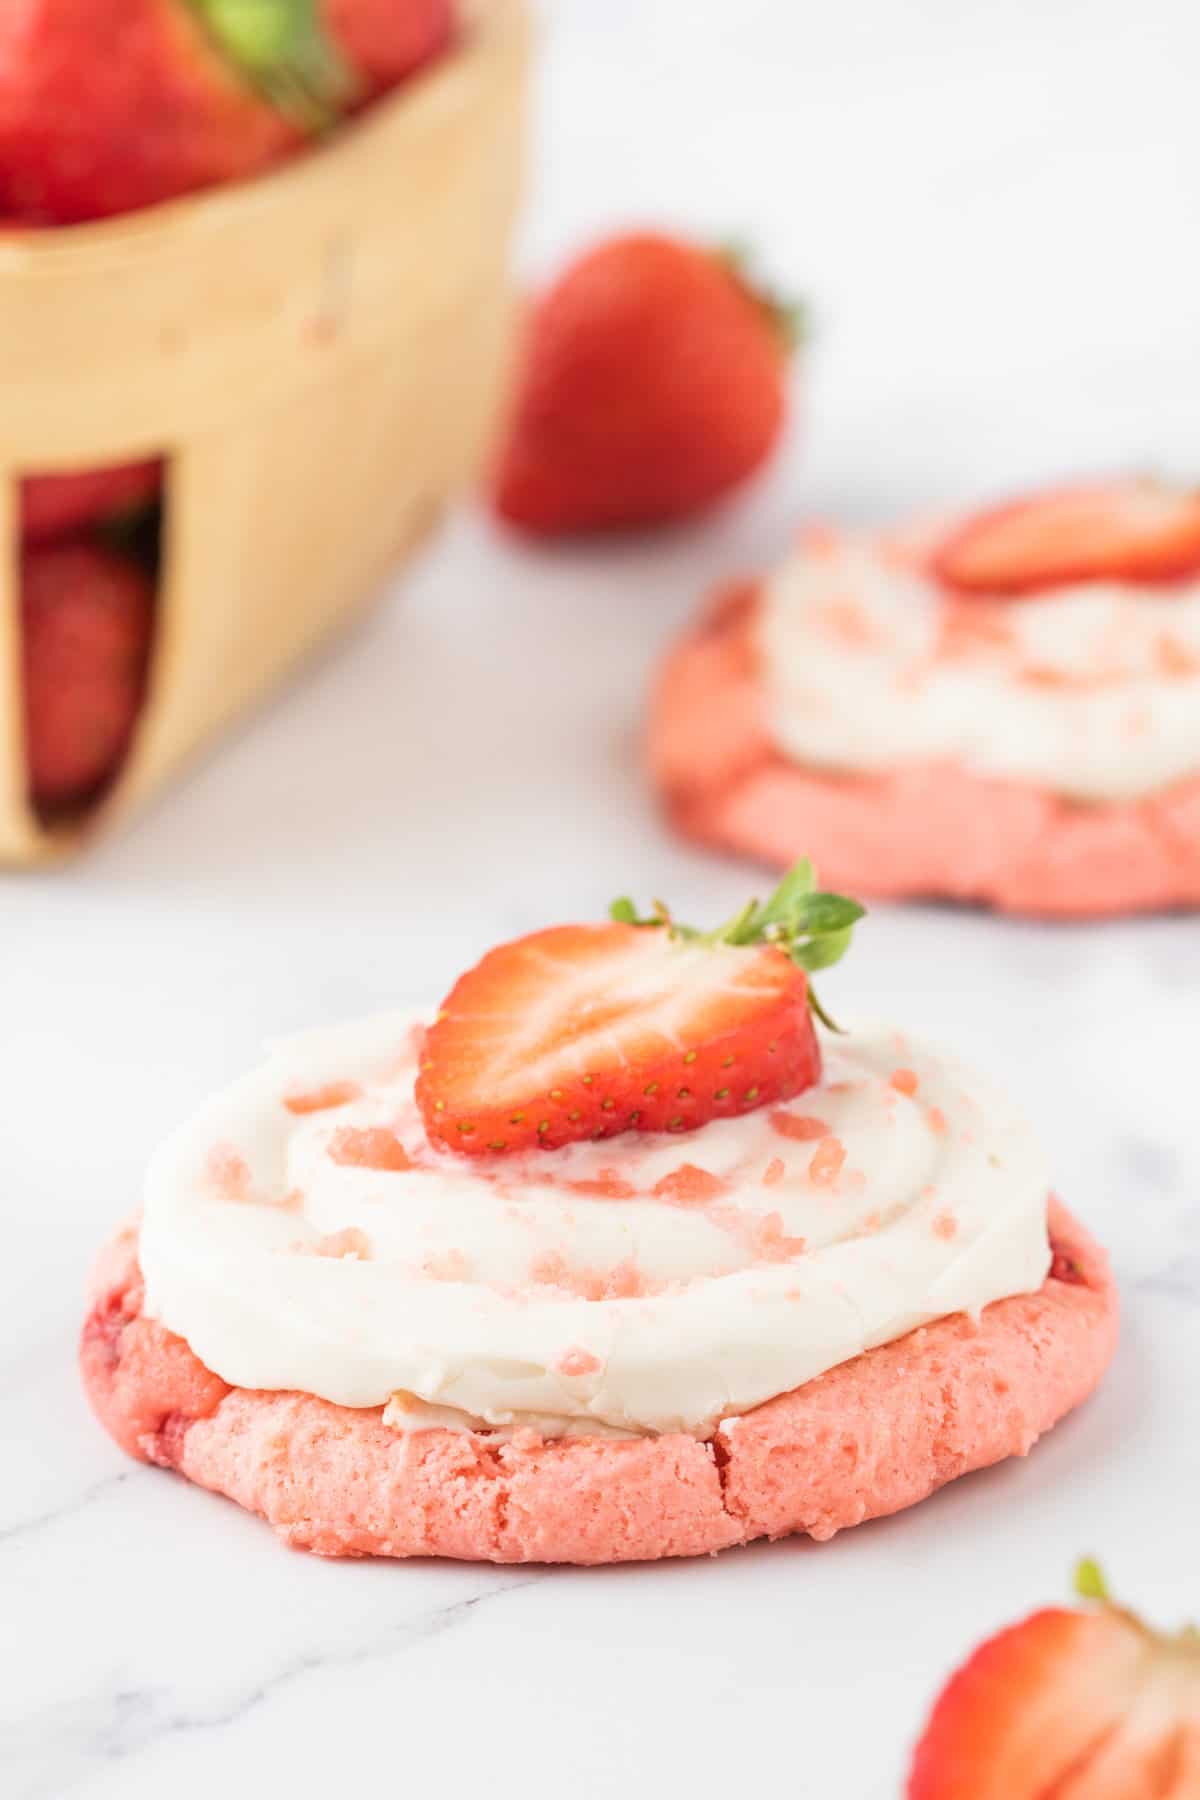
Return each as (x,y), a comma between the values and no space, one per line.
(793,892)
(813,928)
(822,952)
(821,913)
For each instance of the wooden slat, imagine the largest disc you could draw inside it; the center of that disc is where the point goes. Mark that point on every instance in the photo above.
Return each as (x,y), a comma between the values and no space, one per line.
(319,355)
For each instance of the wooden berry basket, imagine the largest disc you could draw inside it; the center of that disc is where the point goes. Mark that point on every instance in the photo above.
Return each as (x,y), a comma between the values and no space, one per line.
(318,355)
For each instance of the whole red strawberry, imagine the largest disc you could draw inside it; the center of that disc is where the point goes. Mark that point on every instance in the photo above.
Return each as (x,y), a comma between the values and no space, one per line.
(654,383)
(586,1031)
(55,506)
(87,618)
(1071,1705)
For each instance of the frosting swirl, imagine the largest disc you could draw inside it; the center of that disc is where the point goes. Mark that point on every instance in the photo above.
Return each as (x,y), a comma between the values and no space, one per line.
(300,1232)
(1090,691)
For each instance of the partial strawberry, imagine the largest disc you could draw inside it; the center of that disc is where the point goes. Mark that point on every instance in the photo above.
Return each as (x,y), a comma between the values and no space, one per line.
(385,41)
(107,108)
(55,506)
(1106,531)
(585,1031)
(87,617)
(654,383)
(1075,1705)
(316,59)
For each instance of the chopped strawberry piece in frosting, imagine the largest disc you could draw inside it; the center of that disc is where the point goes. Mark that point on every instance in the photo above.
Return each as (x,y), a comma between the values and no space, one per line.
(689,1182)
(323,1099)
(799,1127)
(372,1148)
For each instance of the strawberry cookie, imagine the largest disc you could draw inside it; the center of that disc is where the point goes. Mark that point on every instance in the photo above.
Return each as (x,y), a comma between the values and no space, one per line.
(626,1254)
(1004,711)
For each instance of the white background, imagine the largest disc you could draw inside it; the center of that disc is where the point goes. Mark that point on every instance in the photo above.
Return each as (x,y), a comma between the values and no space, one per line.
(993,211)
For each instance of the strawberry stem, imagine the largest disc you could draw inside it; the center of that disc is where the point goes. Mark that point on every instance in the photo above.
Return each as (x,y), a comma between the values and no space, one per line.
(811,927)
(1089,1581)
(1090,1584)
(789,318)
(282,49)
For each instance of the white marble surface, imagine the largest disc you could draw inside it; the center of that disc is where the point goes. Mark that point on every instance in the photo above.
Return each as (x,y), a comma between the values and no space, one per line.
(993,210)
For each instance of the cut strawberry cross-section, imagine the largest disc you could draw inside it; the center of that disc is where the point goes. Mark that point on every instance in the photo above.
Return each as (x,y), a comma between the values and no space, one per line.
(1071,1704)
(1105,531)
(641,1024)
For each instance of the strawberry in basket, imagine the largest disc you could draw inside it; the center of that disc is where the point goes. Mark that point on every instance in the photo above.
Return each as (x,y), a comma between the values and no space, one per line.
(54,506)
(87,618)
(105,108)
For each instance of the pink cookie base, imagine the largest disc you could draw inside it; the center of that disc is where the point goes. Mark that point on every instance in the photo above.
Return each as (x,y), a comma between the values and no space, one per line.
(932,829)
(865,1439)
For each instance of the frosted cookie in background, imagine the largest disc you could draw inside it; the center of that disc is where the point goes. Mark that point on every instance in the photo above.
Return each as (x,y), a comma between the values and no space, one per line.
(1004,709)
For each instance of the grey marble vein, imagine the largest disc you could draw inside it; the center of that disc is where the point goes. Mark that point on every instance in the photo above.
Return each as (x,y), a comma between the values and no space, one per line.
(50,1753)
(54,1515)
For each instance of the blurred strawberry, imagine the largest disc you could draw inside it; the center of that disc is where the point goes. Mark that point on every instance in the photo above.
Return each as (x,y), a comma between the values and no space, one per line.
(53,506)
(654,384)
(1138,529)
(316,59)
(87,617)
(384,41)
(104,108)
(1071,1705)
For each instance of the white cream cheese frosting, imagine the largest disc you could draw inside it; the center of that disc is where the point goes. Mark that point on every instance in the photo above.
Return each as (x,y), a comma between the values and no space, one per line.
(639,1284)
(1089,691)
